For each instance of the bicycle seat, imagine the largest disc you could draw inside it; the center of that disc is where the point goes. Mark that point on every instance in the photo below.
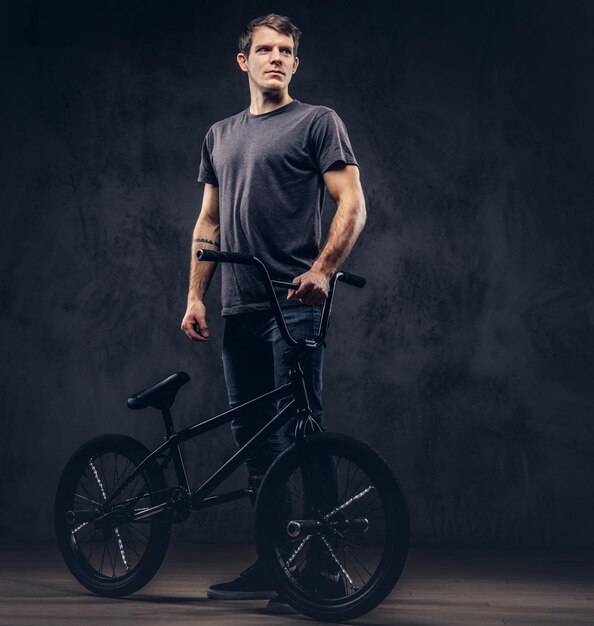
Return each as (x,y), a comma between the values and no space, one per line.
(160,396)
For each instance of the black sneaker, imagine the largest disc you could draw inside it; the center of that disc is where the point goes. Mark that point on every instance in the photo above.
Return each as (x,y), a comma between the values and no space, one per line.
(279,606)
(329,585)
(325,585)
(322,583)
(252,584)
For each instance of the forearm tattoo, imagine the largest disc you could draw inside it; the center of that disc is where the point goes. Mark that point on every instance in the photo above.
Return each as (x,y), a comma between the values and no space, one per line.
(212,243)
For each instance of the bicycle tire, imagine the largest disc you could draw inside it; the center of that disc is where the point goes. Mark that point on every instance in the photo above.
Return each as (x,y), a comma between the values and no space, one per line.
(120,560)
(358,533)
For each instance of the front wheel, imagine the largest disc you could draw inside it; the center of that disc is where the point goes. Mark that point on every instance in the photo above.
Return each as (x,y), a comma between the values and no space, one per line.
(117,556)
(332,527)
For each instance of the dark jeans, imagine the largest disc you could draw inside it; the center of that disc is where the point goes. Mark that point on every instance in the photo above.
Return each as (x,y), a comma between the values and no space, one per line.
(252,360)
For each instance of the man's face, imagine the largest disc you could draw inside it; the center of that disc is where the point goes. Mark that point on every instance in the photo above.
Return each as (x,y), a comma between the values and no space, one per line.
(271,62)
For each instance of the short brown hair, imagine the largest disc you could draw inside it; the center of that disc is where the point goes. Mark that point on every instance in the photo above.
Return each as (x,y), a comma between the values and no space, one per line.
(280,23)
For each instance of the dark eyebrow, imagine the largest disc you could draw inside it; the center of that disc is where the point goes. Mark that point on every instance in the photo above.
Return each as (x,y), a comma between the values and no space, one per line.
(269,45)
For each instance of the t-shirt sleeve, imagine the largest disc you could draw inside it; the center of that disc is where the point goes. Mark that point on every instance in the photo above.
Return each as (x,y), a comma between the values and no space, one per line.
(206,174)
(330,142)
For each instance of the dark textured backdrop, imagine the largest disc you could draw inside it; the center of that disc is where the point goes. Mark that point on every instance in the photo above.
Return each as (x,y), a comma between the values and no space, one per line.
(469,359)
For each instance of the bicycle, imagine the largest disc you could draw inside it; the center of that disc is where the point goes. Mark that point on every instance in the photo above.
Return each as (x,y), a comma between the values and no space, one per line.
(331,521)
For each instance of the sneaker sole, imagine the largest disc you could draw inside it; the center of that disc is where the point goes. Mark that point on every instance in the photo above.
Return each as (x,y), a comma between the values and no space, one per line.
(214,594)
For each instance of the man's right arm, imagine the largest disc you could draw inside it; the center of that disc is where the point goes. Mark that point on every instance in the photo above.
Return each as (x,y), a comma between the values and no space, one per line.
(206,235)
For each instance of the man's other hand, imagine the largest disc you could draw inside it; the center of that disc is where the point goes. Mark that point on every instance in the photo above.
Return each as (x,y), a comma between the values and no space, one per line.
(313,288)
(194,322)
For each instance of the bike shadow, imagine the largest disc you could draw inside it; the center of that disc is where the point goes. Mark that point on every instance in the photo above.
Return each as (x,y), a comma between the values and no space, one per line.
(218,610)
(165,599)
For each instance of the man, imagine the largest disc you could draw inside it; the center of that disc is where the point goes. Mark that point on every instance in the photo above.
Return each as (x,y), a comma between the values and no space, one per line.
(264,171)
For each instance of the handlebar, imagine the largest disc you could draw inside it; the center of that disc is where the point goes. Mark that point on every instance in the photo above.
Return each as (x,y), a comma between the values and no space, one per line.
(352,279)
(269,284)
(248,259)
(225,257)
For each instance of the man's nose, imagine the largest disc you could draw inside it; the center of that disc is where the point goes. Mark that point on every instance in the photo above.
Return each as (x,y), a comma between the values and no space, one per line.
(275,55)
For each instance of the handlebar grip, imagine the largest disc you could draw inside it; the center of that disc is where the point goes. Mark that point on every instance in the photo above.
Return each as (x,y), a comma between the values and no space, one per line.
(224,257)
(352,279)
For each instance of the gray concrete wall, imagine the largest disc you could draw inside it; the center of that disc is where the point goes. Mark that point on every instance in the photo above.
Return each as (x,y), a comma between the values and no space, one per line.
(468,361)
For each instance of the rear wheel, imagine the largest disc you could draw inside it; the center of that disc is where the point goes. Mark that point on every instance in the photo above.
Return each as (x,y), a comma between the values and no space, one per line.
(332,527)
(118,556)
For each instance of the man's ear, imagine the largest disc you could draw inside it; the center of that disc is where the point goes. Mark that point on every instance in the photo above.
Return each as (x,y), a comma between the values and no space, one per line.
(295,65)
(242,61)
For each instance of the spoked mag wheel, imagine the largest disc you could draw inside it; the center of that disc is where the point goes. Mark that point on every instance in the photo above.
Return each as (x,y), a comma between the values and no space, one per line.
(105,546)
(332,527)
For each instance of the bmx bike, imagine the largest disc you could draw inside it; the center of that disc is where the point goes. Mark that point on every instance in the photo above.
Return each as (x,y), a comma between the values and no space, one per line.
(331,520)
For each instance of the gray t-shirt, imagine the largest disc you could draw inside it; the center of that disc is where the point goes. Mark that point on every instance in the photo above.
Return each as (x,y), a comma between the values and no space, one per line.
(269,172)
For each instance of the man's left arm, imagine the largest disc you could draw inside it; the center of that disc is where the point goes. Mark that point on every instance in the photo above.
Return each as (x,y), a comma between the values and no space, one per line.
(344,187)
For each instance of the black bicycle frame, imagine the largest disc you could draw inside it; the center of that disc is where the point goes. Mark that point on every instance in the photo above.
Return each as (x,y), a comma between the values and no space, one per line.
(295,389)
(201,498)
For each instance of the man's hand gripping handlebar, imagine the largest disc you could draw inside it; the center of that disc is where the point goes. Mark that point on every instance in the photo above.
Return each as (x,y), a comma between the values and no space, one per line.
(269,284)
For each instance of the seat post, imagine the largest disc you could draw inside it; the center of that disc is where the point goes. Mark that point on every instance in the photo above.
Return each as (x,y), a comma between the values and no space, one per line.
(175,452)
(169,429)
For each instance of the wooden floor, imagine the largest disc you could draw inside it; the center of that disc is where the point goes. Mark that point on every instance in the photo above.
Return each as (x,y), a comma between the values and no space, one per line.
(438,588)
